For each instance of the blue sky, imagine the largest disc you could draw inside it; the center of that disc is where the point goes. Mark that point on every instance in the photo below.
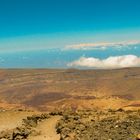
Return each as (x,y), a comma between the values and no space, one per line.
(36,33)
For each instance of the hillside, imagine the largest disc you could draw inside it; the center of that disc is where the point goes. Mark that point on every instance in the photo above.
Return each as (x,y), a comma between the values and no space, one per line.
(48,89)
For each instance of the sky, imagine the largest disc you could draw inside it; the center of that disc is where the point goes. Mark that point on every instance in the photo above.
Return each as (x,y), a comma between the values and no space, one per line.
(69,33)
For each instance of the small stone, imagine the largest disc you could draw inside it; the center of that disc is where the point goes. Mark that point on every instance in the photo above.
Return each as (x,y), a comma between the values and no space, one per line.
(116,126)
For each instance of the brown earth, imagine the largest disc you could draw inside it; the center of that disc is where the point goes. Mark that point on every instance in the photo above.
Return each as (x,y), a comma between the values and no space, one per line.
(48,89)
(10,119)
(71,125)
(47,130)
(100,125)
(95,104)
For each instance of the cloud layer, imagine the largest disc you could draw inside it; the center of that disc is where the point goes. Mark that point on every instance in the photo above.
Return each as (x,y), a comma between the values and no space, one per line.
(108,63)
(102,46)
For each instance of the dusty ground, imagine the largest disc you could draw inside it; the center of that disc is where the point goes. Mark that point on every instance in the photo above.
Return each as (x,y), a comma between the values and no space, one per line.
(87,104)
(47,129)
(44,89)
(74,125)
(12,119)
(100,125)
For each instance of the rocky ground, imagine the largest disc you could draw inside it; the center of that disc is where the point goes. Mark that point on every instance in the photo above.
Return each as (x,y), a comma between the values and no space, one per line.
(100,125)
(77,125)
(25,129)
(89,101)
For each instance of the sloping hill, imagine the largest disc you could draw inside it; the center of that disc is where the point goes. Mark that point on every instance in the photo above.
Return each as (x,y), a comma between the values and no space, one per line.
(46,89)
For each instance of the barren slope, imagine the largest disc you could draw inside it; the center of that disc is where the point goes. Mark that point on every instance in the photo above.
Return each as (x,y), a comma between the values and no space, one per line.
(46,89)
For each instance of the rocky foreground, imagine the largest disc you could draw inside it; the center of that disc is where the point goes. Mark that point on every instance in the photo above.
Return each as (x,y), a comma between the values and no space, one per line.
(100,125)
(25,130)
(79,125)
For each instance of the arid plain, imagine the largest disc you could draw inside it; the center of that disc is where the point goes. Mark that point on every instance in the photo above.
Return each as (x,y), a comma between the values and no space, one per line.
(43,90)
(70,99)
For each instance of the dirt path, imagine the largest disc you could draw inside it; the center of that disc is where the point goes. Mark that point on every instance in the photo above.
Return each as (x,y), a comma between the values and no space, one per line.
(47,130)
(12,119)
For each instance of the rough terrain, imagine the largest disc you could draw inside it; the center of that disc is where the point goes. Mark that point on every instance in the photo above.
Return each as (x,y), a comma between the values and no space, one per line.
(46,104)
(44,89)
(100,125)
(77,125)
(47,130)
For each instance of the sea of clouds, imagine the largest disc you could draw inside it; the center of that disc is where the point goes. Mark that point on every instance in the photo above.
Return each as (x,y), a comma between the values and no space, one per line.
(110,62)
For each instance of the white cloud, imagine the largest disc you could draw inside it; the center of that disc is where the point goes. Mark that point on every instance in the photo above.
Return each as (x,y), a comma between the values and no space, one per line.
(108,63)
(102,46)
